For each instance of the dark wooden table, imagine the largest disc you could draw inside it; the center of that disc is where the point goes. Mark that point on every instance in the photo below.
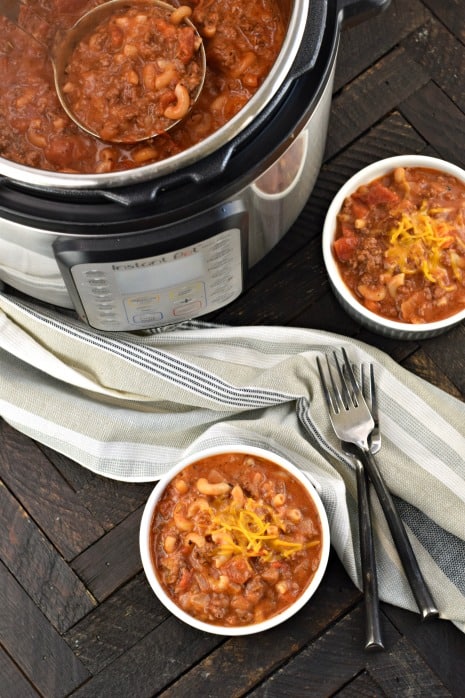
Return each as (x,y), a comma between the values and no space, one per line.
(76,614)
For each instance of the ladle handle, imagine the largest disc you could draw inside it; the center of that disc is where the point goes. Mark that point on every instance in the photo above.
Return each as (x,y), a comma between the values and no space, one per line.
(10,9)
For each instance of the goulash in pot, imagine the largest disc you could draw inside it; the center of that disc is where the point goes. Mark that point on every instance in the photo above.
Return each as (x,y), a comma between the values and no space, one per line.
(242,39)
(235,539)
(400,245)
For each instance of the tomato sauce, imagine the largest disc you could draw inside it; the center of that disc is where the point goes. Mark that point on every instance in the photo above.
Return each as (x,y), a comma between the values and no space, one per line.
(242,40)
(235,539)
(400,245)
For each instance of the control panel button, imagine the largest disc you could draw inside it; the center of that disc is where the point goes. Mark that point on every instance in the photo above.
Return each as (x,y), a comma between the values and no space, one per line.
(188,309)
(146,319)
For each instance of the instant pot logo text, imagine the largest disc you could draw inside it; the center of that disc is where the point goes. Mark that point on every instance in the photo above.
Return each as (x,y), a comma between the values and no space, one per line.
(154,262)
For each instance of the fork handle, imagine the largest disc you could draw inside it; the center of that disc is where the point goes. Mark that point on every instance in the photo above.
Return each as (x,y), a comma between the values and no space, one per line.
(373,635)
(413,573)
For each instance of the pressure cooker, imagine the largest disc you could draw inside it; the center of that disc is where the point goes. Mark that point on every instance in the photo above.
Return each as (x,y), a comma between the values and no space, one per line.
(155,245)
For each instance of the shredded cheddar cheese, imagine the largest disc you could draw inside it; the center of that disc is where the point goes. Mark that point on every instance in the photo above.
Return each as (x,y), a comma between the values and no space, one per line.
(417,242)
(253,530)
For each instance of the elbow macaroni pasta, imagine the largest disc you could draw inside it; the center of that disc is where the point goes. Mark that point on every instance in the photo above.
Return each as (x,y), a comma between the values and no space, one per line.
(182,106)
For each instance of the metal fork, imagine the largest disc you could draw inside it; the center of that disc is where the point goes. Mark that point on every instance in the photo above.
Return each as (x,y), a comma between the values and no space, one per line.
(373,634)
(352,422)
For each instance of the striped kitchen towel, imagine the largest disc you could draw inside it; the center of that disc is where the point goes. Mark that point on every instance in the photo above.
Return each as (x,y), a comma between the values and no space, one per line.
(130,406)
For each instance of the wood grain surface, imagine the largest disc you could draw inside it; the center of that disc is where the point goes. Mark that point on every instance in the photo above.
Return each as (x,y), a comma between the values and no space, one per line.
(77,617)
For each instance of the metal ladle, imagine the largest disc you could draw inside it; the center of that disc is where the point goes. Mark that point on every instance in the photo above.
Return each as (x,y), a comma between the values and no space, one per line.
(62,52)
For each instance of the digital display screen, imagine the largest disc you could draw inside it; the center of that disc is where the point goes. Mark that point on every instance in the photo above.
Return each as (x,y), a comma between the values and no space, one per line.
(151,274)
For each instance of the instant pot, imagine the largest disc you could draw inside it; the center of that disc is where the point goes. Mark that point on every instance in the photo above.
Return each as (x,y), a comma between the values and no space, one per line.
(156,245)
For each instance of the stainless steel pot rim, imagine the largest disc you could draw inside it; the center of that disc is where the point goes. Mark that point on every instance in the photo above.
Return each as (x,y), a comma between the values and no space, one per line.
(279,71)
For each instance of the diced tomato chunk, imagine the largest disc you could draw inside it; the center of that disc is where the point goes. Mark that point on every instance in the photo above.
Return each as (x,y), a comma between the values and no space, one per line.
(237,569)
(184,580)
(347,230)
(344,248)
(359,209)
(379,194)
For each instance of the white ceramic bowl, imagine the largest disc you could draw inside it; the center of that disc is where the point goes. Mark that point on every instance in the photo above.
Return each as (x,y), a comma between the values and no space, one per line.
(147,562)
(370,320)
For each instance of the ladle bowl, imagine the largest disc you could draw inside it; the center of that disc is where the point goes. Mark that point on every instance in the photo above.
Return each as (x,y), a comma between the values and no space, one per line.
(85,26)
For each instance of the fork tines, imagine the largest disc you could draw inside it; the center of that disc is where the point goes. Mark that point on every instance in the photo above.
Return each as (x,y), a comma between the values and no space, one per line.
(341,397)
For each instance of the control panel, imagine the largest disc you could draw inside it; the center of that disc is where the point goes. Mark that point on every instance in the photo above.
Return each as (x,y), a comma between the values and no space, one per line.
(121,293)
